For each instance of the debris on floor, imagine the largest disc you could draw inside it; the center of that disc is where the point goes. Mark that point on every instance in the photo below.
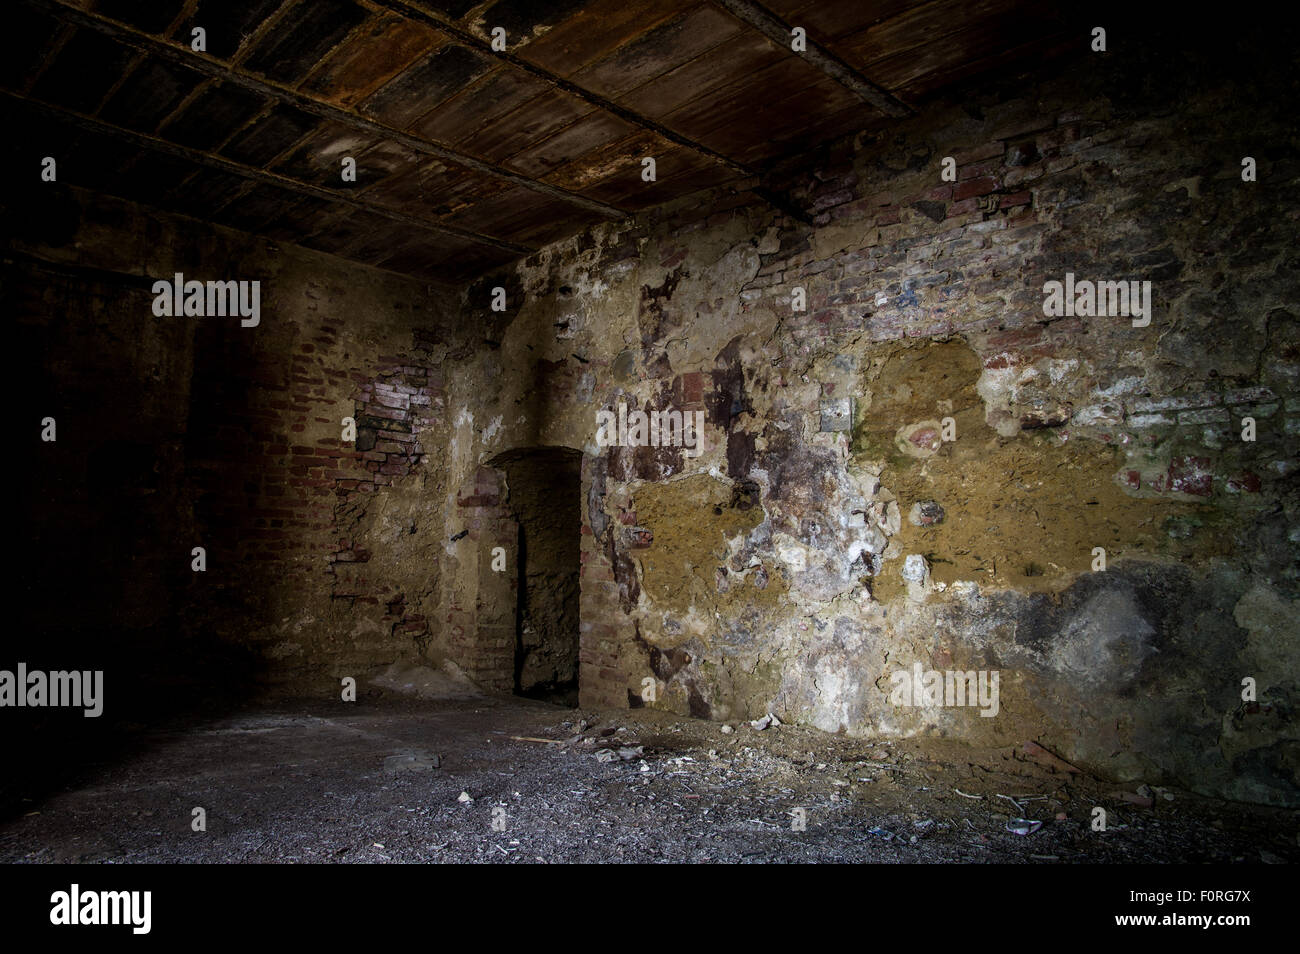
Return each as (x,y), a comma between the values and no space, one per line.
(299,784)
(415,761)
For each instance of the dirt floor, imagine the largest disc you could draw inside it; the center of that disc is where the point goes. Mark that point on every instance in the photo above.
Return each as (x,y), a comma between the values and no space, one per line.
(382,781)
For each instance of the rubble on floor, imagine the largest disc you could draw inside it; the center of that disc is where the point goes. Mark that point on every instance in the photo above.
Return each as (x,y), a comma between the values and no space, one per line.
(520,781)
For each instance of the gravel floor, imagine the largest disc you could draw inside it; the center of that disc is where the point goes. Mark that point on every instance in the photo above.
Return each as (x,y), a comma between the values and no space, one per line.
(382,781)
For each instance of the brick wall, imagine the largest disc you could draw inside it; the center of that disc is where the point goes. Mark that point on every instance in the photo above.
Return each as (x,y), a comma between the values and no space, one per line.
(230,439)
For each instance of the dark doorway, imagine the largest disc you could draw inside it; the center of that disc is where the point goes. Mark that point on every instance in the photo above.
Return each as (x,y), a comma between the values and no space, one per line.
(544,496)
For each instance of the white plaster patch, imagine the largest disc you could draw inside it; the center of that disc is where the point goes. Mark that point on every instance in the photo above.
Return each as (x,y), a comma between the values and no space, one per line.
(834,690)
(1121,387)
(791,552)
(1058,371)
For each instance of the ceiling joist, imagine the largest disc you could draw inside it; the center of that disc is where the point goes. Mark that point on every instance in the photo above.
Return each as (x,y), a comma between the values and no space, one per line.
(202,63)
(198,157)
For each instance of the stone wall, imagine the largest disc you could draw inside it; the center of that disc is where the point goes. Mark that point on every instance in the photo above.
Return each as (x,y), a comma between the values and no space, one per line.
(923,466)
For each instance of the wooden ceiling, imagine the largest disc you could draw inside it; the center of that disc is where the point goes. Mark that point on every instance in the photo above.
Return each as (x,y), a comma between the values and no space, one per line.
(468,158)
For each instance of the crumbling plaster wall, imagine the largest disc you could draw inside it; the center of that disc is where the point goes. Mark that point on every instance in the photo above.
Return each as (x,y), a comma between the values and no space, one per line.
(772,572)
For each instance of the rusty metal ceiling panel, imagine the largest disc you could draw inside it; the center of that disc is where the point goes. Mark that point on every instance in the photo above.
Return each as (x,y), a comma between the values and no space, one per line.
(780,115)
(257,207)
(417,256)
(345,228)
(526,124)
(489,214)
(24,45)
(319,157)
(744,55)
(596,31)
(478,104)
(451,9)
(434,193)
(149,95)
(455,189)
(793,137)
(577,139)
(153,173)
(523,19)
(302,36)
(86,67)
(216,114)
(1026,55)
(658,51)
(369,59)
(152,16)
(227,23)
(407,191)
(420,88)
(541,229)
(827,61)
(383,159)
(534,224)
(679,171)
(828,20)
(372,246)
(203,191)
(919,26)
(952,51)
(618,159)
(307,217)
(269,136)
(737,101)
(296,216)
(467,156)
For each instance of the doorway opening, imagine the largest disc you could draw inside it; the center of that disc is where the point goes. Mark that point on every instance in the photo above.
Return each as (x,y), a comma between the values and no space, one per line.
(544,495)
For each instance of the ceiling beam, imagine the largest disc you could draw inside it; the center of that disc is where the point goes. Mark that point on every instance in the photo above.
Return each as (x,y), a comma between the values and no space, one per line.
(778,31)
(88,273)
(146,141)
(202,63)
